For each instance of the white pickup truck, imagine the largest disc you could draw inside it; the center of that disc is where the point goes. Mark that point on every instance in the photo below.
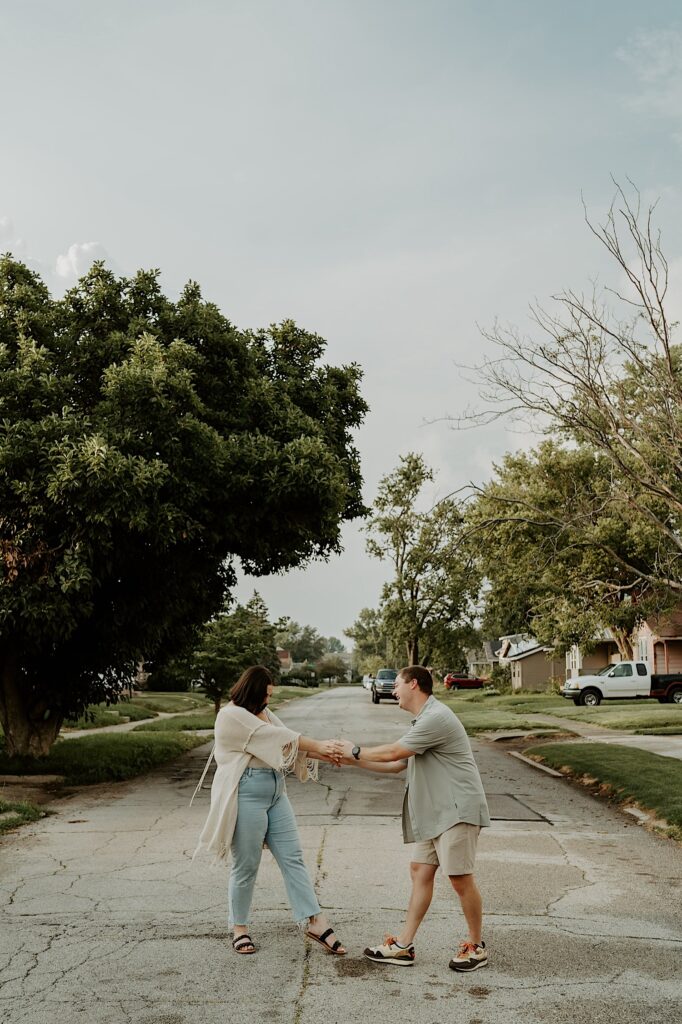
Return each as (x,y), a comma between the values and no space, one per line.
(627,679)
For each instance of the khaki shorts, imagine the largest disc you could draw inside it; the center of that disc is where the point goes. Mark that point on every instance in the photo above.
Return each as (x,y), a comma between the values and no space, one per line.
(454,850)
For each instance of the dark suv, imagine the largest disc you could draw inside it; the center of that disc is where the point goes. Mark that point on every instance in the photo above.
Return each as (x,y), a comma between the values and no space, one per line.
(383,684)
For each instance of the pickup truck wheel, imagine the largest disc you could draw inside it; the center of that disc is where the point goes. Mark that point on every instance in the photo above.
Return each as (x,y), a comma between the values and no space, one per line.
(375,699)
(675,696)
(590,698)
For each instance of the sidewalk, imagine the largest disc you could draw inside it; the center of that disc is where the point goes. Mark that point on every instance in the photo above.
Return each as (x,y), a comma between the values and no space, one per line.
(666,746)
(72,734)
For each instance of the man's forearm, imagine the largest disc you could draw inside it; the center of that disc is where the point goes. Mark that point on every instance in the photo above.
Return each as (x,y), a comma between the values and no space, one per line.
(388,753)
(383,754)
(383,767)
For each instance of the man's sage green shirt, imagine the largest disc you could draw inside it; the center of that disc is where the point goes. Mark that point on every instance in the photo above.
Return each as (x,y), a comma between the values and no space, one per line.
(443,785)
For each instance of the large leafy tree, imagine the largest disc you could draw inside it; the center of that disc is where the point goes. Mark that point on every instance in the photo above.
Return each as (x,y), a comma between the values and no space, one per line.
(333,645)
(372,644)
(331,666)
(230,643)
(427,604)
(144,444)
(561,557)
(303,643)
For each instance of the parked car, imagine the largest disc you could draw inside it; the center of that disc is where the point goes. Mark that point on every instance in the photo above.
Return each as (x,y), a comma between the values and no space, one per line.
(623,681)
(382,686)
(461,681)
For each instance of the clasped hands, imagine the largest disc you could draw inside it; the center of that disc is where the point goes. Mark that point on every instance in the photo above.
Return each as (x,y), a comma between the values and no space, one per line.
(337,751)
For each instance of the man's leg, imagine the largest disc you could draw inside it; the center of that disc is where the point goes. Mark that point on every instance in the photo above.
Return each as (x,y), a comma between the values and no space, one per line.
(472,905)
(422,876)
(400,950)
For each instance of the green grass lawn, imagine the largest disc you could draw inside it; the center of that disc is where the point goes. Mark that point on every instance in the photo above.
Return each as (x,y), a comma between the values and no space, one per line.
(656,719)
(179,723)
(98,715)
(110,757)
(661,730)
(628,715)
(652,781)
(15,814)
(483,716)
(171,702)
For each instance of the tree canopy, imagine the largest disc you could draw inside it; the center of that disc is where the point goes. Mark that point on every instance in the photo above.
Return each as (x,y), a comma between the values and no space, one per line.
(230,643)
(304,643)
(368,633)
(558,554)
(427,605)
(145,444)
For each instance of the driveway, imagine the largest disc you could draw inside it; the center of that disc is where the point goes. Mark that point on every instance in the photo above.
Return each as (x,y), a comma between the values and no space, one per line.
(104,919)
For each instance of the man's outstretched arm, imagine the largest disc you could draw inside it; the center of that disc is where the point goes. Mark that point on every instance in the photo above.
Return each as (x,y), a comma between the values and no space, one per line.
(385,754)
(383,767)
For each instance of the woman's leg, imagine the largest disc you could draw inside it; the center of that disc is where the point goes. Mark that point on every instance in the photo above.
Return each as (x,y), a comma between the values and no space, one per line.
(285,844)
(256,791)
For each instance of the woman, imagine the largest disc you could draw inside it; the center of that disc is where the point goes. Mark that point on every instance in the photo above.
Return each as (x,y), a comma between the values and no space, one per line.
(249,806)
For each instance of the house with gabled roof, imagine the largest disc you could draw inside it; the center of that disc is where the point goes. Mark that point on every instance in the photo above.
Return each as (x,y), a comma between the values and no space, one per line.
(534,666)
(482,660)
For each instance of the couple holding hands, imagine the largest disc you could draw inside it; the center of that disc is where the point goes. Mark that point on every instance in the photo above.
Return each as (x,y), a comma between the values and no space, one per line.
(443,810)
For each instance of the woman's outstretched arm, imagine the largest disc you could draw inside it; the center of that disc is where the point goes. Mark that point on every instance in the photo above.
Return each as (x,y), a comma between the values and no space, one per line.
(321,750)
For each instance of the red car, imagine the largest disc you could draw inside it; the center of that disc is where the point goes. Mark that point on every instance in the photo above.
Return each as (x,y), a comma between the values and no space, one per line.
(458,681)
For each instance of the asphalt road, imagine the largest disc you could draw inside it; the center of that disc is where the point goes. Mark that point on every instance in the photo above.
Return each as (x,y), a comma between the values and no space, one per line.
(104,919)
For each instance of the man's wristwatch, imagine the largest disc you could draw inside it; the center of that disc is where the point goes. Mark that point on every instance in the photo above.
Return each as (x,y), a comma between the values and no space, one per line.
(356,753)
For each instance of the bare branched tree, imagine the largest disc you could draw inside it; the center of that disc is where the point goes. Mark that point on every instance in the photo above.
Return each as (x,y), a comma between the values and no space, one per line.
(603,371)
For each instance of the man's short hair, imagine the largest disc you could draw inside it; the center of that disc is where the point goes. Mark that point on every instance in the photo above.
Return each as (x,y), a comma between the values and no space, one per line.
(421,674)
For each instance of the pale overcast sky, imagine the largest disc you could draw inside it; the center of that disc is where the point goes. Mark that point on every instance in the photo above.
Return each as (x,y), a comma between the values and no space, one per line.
(387,173)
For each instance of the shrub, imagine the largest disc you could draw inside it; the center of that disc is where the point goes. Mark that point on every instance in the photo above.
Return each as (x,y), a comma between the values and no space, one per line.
(500,678)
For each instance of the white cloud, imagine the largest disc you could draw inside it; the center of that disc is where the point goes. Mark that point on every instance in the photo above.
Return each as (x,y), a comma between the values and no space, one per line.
(78,259)
(655,57)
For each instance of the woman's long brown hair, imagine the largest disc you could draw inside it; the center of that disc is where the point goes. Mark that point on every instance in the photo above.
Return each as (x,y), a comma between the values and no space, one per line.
(251,689)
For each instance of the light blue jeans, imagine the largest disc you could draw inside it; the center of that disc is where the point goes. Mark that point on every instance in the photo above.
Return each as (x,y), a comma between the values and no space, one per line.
(265,814)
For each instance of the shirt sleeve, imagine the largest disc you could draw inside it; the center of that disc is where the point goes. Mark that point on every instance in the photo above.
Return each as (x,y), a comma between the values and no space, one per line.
(426,732)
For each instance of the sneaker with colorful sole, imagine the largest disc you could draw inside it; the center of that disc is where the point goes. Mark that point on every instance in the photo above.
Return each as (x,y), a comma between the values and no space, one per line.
(469,957)
(391,953)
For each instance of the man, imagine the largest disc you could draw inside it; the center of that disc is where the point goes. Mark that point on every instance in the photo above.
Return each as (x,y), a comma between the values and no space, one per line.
(444,809)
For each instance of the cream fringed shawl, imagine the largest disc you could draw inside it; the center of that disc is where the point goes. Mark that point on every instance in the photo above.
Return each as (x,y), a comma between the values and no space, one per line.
(239,735)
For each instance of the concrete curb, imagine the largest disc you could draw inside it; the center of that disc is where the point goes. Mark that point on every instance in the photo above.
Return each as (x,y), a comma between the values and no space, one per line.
(536,764)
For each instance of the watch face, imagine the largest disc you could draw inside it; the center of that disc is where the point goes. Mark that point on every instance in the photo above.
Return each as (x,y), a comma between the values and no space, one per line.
(356,752)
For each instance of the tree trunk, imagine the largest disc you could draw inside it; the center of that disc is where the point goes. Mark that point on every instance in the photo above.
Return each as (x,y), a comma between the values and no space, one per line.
(624,641)
(412,647)
(30,729)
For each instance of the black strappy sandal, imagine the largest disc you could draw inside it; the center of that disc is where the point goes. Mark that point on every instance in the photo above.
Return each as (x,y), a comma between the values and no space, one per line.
(336,949)
(243,944)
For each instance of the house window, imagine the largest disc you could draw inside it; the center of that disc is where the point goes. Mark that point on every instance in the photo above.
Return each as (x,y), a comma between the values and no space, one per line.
(643,649)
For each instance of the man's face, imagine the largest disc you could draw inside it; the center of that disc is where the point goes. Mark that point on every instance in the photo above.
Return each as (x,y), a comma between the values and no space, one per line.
(401,690)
